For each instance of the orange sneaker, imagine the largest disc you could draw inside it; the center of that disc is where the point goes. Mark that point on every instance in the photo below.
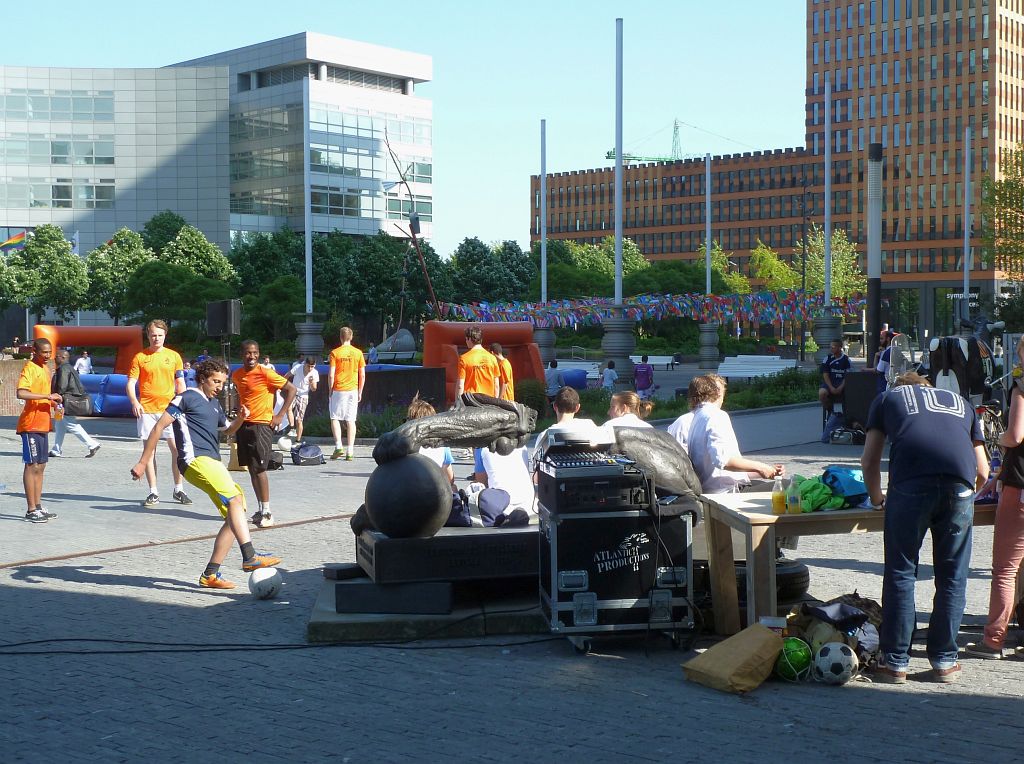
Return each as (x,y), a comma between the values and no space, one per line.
(258,561)
(216,581)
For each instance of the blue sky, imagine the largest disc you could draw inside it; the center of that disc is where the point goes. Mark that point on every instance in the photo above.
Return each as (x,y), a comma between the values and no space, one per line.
(734,69)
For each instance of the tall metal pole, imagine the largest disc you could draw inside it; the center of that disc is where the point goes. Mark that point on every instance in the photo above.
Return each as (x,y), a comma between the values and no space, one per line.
(707,224)
(874,317)
(307,199)
(828,195)
(543,212)
(618,163)
(803,270)
(966,309)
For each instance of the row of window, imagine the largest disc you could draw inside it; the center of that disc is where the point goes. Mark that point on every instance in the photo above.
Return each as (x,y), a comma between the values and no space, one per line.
(873,43)
(361,123)
(60,105)
(874,106)
(843,140)
(864,14)
(330,200)
(266,122)
(354,161)
(57,193)
(38,148)
(872,75)
(336,74)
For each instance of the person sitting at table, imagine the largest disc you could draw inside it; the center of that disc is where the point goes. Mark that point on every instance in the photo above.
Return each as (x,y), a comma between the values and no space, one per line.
(713,447)
(936,463)
(627,409)
(680,429)
(566,405)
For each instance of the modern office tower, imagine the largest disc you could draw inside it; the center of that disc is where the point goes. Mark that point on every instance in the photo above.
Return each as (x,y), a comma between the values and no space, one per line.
(94,150)
(310,120)
(909,74)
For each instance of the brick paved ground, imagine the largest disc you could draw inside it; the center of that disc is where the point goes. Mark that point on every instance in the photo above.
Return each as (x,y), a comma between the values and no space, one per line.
(482,701)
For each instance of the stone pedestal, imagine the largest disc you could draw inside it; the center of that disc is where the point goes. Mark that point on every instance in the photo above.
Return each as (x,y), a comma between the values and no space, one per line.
(618,344)
(826,329)
(545,339)
(709,345)
(310,340)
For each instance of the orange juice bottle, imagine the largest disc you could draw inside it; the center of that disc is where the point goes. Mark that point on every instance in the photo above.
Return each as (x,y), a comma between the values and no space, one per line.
(778,498)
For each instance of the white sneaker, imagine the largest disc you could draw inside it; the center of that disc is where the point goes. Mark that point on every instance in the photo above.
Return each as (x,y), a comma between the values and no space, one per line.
(54,453)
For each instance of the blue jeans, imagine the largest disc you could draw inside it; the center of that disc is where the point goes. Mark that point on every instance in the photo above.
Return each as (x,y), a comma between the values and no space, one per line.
(945,506)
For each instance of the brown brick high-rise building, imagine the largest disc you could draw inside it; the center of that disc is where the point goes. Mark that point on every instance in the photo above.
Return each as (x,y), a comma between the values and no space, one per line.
(909,74)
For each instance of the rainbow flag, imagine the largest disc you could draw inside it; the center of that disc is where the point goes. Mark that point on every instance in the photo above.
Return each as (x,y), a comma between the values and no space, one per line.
(15,242)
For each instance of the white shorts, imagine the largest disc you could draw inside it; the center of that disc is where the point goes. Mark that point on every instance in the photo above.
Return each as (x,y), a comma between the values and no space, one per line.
(146,422)
(344,405)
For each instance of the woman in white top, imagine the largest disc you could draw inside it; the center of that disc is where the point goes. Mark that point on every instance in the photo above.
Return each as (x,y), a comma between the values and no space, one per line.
(628,410)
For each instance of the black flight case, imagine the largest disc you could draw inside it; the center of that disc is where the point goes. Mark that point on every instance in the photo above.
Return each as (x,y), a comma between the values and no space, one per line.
(609,563)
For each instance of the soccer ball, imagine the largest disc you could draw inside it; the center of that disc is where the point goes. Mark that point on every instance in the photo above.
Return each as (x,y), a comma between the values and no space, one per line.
(835,663)
(794,663)
(284,443)
(265,583)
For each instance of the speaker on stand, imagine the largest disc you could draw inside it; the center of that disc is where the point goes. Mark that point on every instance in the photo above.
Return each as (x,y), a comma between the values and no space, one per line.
(224,319)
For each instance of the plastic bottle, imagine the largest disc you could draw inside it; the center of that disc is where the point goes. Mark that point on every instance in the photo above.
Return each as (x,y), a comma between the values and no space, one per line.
(994,469)
(58,412)
(793,499)
(778,498)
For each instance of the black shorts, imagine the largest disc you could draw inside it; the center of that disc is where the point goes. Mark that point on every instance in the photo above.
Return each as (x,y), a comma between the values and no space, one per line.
(255,444)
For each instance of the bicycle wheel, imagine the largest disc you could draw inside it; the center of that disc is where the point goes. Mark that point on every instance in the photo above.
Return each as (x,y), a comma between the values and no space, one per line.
(992,428)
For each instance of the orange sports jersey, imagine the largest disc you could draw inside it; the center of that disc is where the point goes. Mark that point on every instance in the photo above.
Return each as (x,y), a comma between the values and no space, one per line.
(156,372)
(346,361)
(256,392)
(505,371)
(479,369)
(36,415)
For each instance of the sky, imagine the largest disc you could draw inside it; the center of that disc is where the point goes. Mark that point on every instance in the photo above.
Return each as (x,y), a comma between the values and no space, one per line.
(731,71)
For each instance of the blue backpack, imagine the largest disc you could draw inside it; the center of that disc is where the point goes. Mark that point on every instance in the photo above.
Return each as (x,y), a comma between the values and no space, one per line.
(847,482)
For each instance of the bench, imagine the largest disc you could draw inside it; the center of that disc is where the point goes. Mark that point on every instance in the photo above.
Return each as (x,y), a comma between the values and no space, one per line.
(750,366)
(668,361)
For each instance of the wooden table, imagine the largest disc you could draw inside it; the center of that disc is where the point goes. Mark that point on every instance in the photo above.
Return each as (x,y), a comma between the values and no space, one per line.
(751,515)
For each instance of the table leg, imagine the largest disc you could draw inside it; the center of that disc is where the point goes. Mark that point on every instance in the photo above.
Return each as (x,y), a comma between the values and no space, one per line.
(722,571)
(761,591)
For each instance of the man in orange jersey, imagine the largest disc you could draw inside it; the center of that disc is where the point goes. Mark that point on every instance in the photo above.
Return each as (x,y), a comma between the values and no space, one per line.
(478,369)
(160,375)
(507,387)
(34,426)
(346,378)
(256,386)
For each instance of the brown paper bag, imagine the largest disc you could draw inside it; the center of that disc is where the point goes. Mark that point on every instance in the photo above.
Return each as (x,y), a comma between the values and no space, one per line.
(739,663)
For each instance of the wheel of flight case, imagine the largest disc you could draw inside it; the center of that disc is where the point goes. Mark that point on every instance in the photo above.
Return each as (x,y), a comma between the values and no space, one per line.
(581,645)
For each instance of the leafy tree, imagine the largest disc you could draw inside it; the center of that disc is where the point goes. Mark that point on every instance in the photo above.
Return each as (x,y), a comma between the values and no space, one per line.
(671,277)
(373,286)
(734,281)
(159,289)
(847,277)
(331,260)
(518,265)
(773,272)
(47,274)
(259,258)
(1002,215)
(192,250)
(479,273)
(1011,310)
(161,229)
(269,314)
(8,291)
(632,258)
(110,267)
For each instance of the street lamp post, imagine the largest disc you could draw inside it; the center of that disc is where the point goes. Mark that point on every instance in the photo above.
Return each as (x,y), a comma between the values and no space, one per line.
(803,269)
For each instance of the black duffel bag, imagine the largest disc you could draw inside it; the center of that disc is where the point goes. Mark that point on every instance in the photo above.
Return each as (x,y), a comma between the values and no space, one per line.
(77,404)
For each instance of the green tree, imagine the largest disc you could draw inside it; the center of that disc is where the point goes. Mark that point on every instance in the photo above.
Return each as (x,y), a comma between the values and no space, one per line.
(772,271)
(847,277)
(479,274)
(172,292)
(733,280)
(259,258)
(518,265)
(632,258)
(161,229)
(110,267)
(192,250)
(47,274)
(1002,215)
(331,261)
(671,277)
(8,289)
(269,314)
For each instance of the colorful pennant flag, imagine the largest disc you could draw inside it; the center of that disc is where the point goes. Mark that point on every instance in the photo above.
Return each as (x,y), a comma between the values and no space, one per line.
(15,242)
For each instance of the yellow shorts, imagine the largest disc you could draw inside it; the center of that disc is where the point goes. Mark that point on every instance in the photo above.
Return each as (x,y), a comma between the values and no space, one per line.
(211,477)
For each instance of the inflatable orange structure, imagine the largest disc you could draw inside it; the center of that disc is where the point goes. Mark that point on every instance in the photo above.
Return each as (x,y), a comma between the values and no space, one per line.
(127,340)
(444,341)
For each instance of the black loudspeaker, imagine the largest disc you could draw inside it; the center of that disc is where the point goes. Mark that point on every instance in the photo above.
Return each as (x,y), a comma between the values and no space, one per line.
(861,389)
(224,317)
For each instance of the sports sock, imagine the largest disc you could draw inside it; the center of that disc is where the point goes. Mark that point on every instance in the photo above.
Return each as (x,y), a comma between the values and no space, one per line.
(265,507)
(153,489)
(211,568)
(179,487)
(248,551)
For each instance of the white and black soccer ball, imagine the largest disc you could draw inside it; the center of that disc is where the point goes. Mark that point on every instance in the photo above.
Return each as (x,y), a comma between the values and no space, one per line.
(265,583)
(284,444)
(835,663)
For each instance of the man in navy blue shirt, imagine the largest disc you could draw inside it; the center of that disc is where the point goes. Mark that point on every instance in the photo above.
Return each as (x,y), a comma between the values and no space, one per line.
(936,463)
(833,375)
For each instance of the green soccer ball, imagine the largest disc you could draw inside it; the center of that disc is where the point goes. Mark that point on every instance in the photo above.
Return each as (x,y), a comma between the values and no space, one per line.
(794,662)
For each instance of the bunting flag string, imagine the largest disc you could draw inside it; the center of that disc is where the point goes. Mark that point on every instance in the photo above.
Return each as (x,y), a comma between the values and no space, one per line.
(759,307)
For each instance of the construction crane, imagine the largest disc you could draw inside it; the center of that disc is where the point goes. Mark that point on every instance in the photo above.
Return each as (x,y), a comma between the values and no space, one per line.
(677,150)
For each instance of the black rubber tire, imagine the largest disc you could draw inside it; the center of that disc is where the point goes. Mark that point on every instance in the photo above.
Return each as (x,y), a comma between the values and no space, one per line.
(792,580)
